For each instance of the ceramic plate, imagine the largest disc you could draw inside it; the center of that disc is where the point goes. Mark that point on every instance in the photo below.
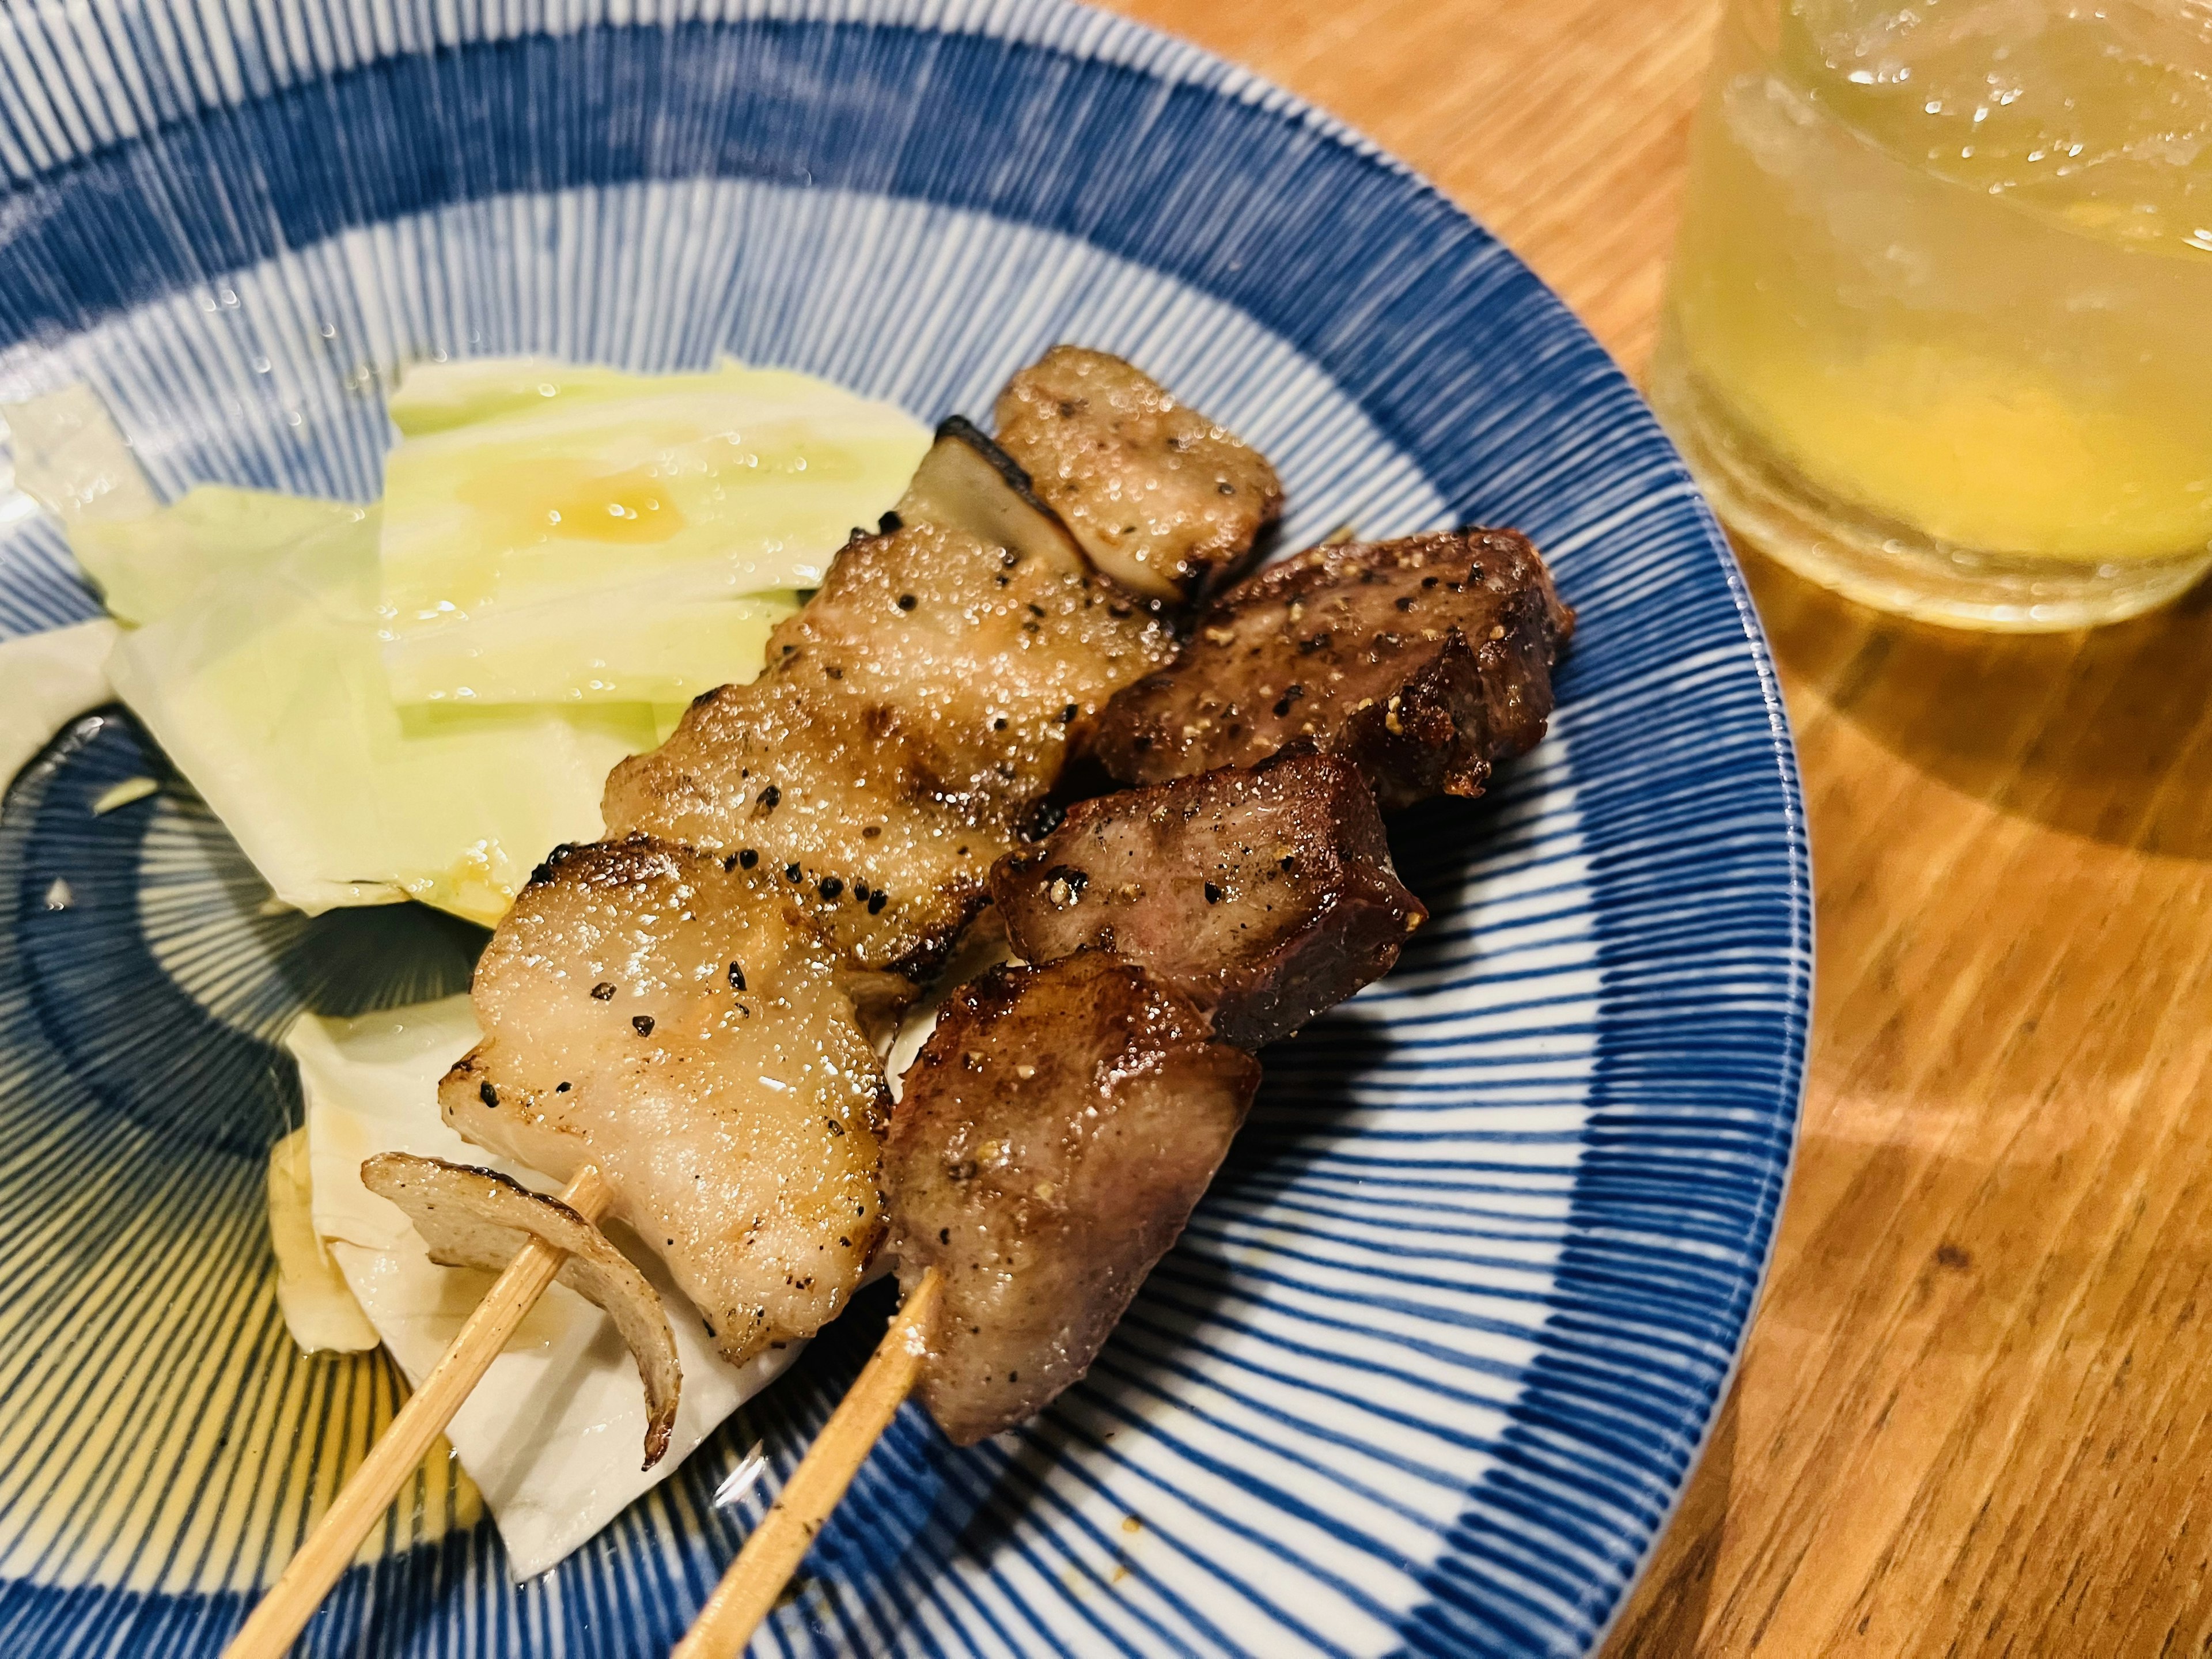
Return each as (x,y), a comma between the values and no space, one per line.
(1435,1355)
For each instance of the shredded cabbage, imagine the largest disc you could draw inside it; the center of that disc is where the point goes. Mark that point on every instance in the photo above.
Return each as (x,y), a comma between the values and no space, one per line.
(666,520)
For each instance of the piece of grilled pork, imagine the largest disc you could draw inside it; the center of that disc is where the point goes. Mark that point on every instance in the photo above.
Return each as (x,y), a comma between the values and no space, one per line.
(1051,1140)
(683,1028)
(1163,500)
(1265,894)
(672,1015)
(925,700)
(910,715)
(1423,661)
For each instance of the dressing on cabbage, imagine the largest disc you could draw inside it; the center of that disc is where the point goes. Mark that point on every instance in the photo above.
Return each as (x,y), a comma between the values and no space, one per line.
(657,519)
(261,651)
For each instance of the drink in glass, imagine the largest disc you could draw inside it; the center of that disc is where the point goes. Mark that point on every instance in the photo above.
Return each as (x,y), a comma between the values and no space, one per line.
(1939,330)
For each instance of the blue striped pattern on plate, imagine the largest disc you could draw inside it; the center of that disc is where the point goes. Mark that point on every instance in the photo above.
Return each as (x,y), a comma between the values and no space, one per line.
(1433,1360)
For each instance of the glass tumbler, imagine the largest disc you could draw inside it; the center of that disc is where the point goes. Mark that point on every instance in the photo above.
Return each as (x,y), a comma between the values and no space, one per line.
(1939,329)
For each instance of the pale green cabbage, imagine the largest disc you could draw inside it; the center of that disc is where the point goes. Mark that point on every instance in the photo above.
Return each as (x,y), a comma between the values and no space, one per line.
(666,520)
(264,659)
(268,693)
(146,568)
(258,667)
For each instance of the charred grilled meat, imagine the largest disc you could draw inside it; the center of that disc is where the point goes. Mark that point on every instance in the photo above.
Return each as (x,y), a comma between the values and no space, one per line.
(1264,894)
(910,716)
(674,1004)
(683,1028)
(1422,661)
(1163,500)
(1053,1136)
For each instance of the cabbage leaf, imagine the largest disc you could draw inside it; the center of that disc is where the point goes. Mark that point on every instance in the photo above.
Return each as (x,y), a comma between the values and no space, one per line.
(258,667)
(667,520)
(268,693)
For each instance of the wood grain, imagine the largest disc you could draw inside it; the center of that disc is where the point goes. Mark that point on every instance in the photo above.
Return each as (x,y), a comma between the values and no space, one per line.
(1975,1412)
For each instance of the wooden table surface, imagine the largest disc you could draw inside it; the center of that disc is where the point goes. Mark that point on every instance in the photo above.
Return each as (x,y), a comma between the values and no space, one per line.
(1975,1412)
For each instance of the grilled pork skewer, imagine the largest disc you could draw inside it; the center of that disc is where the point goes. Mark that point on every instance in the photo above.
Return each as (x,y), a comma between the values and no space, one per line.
(1017,1259)
(683,1003)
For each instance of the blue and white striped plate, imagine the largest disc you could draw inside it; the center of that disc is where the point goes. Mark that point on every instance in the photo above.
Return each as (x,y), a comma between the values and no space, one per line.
(1434,1359)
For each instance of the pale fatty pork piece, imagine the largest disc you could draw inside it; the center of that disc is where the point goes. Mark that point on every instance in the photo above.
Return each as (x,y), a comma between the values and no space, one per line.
(683,1028)
(1423,661)
(911,716)
(1265,894)
(1054,1136)
(1163,500)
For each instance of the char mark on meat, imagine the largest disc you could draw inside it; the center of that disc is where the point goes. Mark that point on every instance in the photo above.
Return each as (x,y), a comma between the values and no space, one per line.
(1053,1136)
(1165,501)
(1423,661)
(1265,894)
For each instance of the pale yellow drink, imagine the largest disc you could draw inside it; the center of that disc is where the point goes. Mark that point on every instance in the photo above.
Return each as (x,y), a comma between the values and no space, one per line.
(1942,313)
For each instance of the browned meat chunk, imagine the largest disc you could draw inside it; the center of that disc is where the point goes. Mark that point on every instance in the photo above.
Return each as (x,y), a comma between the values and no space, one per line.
(1423,661)
(683,1028)
(909,717)
(1165,501)
(1265,894)
(1055,1134)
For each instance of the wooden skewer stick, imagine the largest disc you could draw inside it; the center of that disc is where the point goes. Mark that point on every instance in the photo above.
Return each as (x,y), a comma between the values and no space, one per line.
(292,1600)
(755,1579)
